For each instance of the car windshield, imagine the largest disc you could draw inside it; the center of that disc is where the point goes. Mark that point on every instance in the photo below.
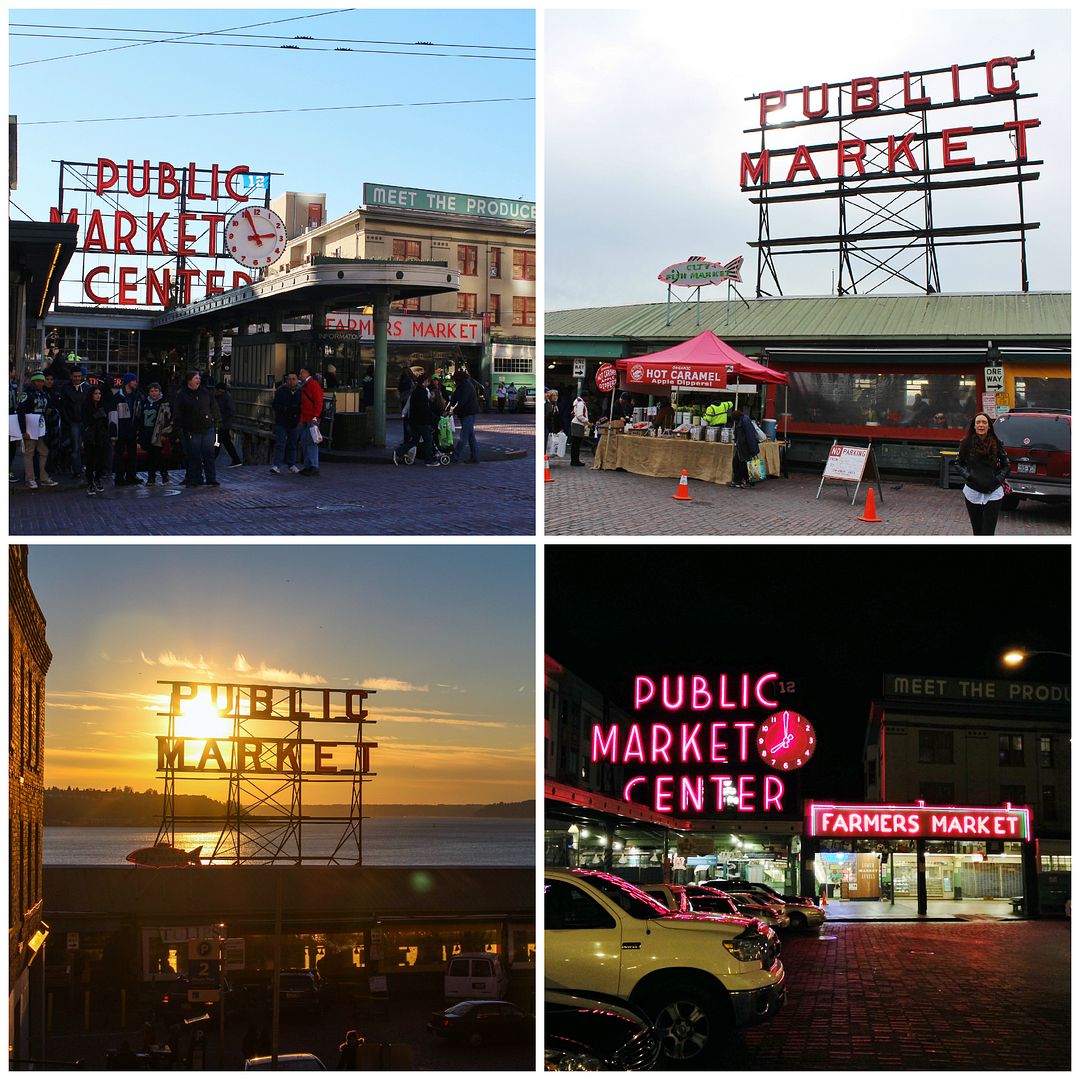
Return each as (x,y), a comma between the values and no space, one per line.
(461,1008)
(1041,432)
(630,898)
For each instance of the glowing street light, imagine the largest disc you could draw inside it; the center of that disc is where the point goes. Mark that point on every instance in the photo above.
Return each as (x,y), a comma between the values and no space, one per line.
(1015,657)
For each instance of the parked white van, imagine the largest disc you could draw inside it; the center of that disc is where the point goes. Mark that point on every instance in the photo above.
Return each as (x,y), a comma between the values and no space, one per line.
(475,975)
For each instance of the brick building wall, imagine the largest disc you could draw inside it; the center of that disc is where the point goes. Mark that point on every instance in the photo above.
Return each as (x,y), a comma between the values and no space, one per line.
(30,657)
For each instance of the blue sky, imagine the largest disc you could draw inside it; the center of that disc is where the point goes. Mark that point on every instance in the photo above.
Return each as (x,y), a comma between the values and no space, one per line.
(445,636)
(485,149)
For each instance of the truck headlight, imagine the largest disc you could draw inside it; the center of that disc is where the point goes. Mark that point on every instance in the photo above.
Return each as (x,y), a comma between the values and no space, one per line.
(747,947)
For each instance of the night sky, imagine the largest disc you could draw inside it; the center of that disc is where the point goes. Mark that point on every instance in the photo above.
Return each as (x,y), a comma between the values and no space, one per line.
(833,619)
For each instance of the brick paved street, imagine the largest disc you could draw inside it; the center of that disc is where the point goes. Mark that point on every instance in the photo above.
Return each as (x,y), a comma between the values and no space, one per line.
(964,995)
(363,498)
(584,502)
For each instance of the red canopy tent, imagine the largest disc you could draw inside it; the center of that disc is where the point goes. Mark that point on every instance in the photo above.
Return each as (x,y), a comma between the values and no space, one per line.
(702,363)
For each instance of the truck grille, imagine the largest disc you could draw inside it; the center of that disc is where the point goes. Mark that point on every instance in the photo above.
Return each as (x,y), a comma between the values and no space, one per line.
(641,1052)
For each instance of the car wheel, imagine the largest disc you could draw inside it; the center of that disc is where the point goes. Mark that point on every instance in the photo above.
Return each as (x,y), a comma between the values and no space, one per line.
(688,1022)
(798,921)
(1010,502)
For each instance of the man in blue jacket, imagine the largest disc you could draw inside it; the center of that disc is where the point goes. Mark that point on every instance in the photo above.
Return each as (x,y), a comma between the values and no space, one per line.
(286,424)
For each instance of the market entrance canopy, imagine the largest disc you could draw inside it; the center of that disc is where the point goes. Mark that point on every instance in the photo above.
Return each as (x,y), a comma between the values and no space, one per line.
(702,363)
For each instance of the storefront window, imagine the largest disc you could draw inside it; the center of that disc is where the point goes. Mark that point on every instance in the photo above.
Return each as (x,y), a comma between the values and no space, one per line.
(1050,394)
(944,401)
(1046,752)
(1010,749)
(430,948)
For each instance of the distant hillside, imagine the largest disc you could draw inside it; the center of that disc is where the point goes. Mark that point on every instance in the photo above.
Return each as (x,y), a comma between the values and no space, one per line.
(125,806)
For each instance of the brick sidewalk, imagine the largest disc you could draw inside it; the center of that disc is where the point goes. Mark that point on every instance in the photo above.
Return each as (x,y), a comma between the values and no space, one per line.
(492,498)
(985,995)
(584,502)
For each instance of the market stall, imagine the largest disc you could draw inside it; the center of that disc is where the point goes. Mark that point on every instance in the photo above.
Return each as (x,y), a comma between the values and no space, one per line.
(701,365)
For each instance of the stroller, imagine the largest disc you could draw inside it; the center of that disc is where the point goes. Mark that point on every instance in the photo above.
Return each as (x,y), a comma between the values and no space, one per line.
(444,445)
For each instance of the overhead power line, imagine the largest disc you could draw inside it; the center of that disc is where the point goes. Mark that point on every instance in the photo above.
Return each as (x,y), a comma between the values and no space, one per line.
(279,37)
(140,44)
(290,48)
(268,112)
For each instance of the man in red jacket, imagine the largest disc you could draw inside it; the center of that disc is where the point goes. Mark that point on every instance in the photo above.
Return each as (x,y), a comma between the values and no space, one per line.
(311,400)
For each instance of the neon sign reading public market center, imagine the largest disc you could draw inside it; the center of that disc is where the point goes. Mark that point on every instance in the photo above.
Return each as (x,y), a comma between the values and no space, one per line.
(784,740)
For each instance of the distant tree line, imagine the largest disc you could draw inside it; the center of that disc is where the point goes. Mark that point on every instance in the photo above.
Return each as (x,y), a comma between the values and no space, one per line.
(126,806)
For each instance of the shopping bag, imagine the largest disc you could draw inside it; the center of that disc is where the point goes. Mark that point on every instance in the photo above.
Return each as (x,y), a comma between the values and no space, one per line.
(550,447)
(755,469)
(316,434)
(446,433)
(560,444)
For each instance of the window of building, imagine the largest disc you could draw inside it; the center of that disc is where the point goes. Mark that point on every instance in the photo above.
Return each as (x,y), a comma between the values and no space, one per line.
(1014,793)
(566,907)
(495,263)
(467,259)
(524,310)
(493,309)
(412,304)
(1049,803)
(512,365)
(406,249)
(1046,752)
(936,747)
(944,401)
(1010,749)
(937,793)
(466,303)
(524,265)
(1035,393)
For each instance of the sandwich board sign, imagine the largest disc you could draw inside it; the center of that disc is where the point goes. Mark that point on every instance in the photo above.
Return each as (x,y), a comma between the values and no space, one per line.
(848,463)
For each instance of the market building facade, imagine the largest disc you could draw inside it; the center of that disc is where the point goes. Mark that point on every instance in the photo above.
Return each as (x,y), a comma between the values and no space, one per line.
(27,932)
(966,797)
(905,372)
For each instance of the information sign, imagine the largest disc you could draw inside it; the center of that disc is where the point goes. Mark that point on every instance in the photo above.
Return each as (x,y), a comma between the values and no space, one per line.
(848,463)
(607,378)
(993,377)
(579,369)
(989,404)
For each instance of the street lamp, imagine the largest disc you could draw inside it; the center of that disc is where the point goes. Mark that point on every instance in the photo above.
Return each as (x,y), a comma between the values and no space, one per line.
(1016,657)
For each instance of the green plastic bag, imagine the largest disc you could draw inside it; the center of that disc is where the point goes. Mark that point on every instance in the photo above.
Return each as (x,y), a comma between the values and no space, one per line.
(446,433)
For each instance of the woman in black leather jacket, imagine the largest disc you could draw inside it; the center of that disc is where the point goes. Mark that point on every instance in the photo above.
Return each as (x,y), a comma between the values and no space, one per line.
(983,463)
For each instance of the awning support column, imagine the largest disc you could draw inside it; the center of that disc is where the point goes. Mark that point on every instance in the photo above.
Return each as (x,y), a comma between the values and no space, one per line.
(920,873)
(382,317)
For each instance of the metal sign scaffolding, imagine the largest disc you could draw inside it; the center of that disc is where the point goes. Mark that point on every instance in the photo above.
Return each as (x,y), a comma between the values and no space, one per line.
(266,757)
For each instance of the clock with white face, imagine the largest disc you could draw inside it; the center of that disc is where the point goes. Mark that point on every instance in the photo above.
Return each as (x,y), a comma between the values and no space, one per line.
(255,236)
(786,740)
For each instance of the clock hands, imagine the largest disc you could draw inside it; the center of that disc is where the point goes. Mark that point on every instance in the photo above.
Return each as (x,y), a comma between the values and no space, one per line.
(254,234)
(783,744)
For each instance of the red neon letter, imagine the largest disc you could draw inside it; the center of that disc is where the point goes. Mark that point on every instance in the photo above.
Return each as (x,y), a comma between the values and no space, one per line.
(630,785)
(122,237)
(213,286)
(690,748)
(909,98)
(956,82)
(864,89)
(949,147)
(87,281)
(605,750)
(322,755)
(229,190)
(95,234)
(774,792)
(716,751)
(155,233)
(138,192)
(762,699)
(665,685)
(168,186)
(758,174)
(634,748)
(661,743)
(157,290)
(746,796)
(187,276)
(843,156)
(107,174)
(239,278)
(213,220)
(773,95)
(1020,127)
(191,192)
(812,114)
(700,698)
(745,727)
(184,239)
(640,684)
(691,793)
(1001,61)
(662,794)
(72,218)
(127,285)
(901,147)
(801,161)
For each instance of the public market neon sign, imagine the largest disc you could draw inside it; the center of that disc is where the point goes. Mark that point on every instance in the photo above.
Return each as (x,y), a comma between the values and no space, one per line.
(940,822)
(728,742)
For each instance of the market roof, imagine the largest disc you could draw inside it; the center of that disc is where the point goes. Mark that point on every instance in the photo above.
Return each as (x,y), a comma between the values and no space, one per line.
(976,317)
(38,253)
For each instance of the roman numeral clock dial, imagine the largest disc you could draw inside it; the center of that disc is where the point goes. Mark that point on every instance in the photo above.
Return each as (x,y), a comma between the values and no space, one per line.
(255,237)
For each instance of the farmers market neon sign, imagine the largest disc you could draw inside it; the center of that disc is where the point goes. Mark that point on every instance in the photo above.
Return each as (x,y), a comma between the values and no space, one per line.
(731,742)
(956,822)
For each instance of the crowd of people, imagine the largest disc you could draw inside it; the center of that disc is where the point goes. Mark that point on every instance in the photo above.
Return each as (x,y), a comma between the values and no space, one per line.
(432,407)
(88,428)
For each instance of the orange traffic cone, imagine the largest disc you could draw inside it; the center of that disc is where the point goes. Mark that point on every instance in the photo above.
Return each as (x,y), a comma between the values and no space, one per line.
(824,897)
(682,492)
(869,511)
(547,470)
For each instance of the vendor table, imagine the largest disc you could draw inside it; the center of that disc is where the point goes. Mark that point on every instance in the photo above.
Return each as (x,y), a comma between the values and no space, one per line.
(668,457)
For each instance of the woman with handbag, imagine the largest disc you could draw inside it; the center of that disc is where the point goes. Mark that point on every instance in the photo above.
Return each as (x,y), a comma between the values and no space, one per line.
(579,426)
(983,463)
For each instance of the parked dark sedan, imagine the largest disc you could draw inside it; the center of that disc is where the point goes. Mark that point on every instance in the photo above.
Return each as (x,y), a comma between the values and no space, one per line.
(595,1032)
(479,1022)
